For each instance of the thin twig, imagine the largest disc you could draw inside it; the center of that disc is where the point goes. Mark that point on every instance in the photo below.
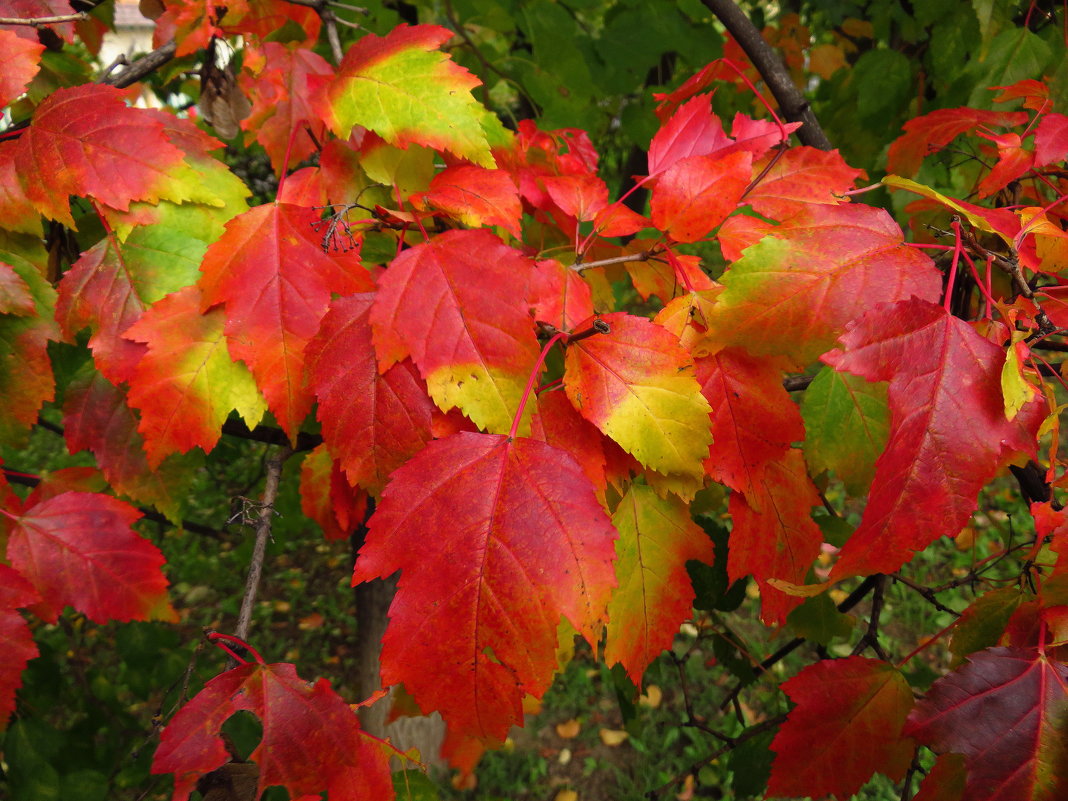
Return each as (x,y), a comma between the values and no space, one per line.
(871,636)
(263,533)
(142,67)
(926,592)
(37,22)
(330,20)
(645,255)
(793,104)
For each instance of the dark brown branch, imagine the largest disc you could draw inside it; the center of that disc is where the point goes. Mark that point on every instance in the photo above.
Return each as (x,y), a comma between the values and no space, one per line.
(796,383)
(263,533)
(871,636)
(927,593)
(142,67)
(793,104)
(269,436)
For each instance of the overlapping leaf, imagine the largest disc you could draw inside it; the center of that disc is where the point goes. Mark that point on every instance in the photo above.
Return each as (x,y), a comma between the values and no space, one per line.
(696,194)
(477,196)
(847,422)
(656,538)
(948,432)
(637,385)
(326,496)
(774,535)
(799,177)
(78,549)
(475,349)
(26,381)
(19,649)
(109,287)
(372,422)
(559,296)
(402,87)
(275,281)
(97,418)
(18,64)
(519,540)
(85,141)
(793,293)
(846,725)
(1004,710)
(311,742)
(282,92)
(186,384)
(754,422)
(934,131)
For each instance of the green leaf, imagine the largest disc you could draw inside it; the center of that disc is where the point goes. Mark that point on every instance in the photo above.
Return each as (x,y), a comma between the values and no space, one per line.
(847,422)
(818,620)
(884,84)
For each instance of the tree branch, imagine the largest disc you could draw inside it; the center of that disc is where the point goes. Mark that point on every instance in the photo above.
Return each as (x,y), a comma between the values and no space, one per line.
(38,22)
(142,67)
(793,104)
(263,533)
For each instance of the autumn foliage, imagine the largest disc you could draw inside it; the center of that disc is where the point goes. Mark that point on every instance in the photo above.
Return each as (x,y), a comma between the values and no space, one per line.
(537,387)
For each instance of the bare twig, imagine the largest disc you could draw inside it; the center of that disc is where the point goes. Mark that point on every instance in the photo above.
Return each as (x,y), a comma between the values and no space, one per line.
(38,22)
(142,67)
(871,636)
(793,104)
(330,20)
(263,533)
(645,255)
(927,593)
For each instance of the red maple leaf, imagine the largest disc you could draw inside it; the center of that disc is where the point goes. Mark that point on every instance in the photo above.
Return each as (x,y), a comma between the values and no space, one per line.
(932,132)
(801,176)
(19,648)
(84,140)
(476,196)
(696,194)
(270,272)
(539,546)
(948,431)
(18,64)
(559,295)
(774,535)
(327,497)
(312,740)
(78,549)
(372,422)
(792,293)
(754,421)
(1004,711)
(475,349)
(281,93)
(847,724)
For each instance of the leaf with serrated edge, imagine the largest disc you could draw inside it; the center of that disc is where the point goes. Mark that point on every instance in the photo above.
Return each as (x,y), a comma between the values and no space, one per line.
(636,384)
(793,292)
(846,725)
(948,432)
(1004,710)
(537,546)
(475,349)
(402,87)
(656,538)
(311,742)
(19,648)
(78,549)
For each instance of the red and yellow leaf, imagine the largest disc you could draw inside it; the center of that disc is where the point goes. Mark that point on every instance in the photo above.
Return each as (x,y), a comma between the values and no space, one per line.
(326,496)
(85,141)
(846,725)
(696,194)
(78,549)
(476,196)
(656,538)
(402,87)
(793,293)
(471,636)
(312,740)
(799,177)
(1004,711)
(270,272)
(186,384)
(637,385)
(475,349)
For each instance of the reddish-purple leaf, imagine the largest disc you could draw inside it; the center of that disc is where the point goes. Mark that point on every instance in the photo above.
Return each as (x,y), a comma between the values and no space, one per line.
(1004,710)
(15,636)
